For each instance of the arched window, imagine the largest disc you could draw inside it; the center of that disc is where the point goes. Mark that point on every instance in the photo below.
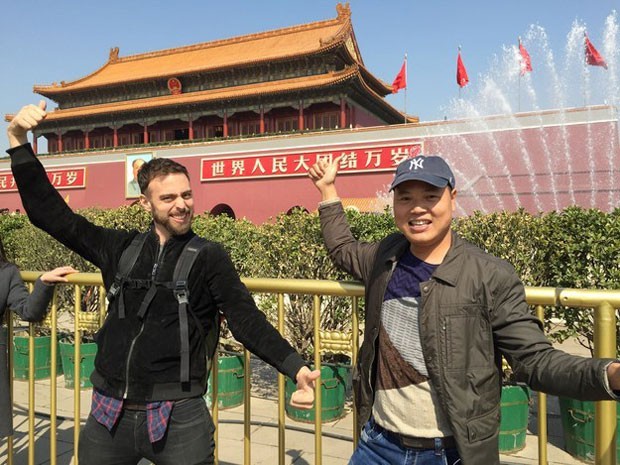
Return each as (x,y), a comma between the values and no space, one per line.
(223,209)
(296,207)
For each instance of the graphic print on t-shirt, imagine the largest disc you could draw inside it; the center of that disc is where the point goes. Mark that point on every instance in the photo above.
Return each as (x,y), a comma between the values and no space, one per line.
(405,401)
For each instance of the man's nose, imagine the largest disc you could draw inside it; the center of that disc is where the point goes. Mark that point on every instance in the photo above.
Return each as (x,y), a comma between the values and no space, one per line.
(417,207)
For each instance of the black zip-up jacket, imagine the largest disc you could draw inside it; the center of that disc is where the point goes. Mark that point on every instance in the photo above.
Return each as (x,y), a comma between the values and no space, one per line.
(140,359)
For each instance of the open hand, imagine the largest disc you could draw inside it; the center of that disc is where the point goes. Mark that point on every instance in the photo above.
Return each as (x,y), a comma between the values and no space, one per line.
(57,275)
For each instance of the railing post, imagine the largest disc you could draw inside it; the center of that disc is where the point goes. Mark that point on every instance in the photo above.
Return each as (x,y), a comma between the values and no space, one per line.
(215,410)
(281,387)
(247,410)
(9,344)
(605,422)
(355,326)
(31,393)
(542,409)
(53,374)
(318,404)
(77,308)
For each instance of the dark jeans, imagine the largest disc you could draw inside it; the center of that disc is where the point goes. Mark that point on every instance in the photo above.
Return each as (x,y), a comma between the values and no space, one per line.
(379,447)
(188,440)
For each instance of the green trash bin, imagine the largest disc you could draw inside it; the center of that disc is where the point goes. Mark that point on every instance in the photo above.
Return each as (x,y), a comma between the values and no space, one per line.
(230,381)
(42,357)
(335,384)
(515,409)
(88,351)
(578,425)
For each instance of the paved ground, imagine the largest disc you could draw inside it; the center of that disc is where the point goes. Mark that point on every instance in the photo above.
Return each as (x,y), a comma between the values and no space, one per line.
(336,443)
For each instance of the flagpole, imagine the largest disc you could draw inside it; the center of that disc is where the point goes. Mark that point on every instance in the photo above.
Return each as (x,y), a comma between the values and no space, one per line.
(460,87)
(519,86)
(519,95)
(585,69)
(406,81)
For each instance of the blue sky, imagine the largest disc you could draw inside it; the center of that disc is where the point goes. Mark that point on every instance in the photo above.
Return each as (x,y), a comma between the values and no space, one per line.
(43,42)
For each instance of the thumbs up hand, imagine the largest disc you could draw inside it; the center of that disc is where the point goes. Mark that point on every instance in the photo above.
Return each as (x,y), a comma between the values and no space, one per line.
(25,120)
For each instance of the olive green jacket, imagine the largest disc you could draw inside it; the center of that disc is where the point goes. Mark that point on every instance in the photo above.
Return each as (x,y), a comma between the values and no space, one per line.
(472,312)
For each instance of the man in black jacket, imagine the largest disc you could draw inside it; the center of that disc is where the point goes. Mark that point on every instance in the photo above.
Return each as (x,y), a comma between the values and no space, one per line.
(147,403)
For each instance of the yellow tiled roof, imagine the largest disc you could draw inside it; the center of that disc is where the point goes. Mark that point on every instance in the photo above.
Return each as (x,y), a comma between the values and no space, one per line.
(256,89)
(237,51)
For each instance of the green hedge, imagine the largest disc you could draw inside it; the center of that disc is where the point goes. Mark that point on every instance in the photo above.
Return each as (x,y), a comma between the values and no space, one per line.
(577,248)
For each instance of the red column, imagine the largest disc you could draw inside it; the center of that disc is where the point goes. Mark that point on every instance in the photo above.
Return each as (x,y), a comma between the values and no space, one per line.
(59,142)
(115,138)
(191,129)
(343,114)
(146,133)
(262,120)
(35,145)
(225,123)
(86,140)
(301,115)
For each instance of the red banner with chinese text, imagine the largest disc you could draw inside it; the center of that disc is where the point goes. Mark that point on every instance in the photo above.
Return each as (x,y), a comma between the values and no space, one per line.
(353,160)
(71,178)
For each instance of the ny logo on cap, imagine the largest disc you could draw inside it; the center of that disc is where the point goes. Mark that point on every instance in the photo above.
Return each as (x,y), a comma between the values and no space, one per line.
(416,163)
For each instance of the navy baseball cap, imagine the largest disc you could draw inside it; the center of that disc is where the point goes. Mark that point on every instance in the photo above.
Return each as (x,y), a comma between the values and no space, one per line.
(431,169)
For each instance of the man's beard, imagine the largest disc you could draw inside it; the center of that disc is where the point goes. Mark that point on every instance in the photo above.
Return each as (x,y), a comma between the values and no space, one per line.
(171,226)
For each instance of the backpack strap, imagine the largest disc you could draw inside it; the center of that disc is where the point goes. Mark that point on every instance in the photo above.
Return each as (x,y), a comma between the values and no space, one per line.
(125,265)
(180,289)
(181,292)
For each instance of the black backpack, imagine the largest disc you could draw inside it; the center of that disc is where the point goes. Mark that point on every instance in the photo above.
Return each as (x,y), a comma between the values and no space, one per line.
(179,287)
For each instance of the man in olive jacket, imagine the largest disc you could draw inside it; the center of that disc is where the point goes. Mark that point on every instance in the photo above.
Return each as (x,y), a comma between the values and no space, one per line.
(440,314)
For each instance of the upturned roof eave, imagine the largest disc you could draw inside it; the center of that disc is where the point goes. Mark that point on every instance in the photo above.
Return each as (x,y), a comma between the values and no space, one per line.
(382,88)
(338,40)
(380,100)
(168,101)
(354,72)
(54,91)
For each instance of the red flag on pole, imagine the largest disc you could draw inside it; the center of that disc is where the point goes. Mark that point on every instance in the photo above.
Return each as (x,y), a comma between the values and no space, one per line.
(593,58)
(526,62)
(461,73)
(400,82)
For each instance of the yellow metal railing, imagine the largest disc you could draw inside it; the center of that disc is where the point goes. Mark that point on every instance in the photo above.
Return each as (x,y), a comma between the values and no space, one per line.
(82,321)
(604,304)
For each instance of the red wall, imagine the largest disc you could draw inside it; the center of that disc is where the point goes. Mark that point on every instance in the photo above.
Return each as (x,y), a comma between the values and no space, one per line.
(548,169)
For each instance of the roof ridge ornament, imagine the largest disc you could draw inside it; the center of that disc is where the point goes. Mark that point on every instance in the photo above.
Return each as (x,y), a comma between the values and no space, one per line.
(344,16)
(343,10)
(113,55)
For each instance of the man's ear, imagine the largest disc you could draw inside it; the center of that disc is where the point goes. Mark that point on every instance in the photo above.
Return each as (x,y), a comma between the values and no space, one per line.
(144,203)
(453,199)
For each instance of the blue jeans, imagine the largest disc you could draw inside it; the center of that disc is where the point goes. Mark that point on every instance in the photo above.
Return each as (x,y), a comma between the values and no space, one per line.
(379,447)
(188,440)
